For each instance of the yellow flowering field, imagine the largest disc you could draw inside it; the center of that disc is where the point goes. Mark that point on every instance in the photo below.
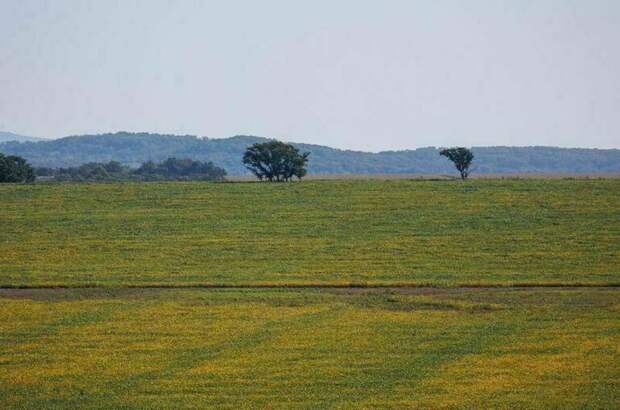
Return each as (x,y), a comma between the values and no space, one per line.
(345,294)
(286,348)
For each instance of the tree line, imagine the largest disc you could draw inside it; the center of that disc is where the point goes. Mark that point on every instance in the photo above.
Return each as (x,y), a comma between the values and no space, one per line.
(134,149)
(272,161)
(170,169)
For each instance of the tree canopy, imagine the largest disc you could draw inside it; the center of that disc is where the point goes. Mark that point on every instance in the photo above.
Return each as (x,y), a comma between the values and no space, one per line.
(15,169)
(275,161)
(170,169)
(462,158)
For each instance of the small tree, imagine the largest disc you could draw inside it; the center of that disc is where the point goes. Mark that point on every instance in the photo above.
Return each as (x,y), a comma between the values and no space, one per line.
(462,158)
(15,169)
(275,161)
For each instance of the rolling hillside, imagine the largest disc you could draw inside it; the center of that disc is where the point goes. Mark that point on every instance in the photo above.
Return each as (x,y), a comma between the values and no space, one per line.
(9,136)
(133,149)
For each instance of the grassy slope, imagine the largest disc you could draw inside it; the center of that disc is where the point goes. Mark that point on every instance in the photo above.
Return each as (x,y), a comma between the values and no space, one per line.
(549,348)
(421,232)
(344,348)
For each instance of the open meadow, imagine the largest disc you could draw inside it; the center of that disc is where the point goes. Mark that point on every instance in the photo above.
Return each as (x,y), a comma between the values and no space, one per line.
(416,294)
(483,232)
(279,348)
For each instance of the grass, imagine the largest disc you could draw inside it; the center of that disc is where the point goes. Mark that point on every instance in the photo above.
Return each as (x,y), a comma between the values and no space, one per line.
(444,233)
(416,294)
(389,348)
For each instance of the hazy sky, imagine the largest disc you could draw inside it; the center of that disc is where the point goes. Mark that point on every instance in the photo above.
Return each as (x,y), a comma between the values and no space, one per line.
(370,75)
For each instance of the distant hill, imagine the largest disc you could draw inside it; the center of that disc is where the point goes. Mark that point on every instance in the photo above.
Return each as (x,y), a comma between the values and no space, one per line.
(9,136)
(134,148)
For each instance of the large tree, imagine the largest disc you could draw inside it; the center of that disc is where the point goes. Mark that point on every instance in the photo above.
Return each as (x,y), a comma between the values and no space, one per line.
(15,169)
(275,161)
(462,158)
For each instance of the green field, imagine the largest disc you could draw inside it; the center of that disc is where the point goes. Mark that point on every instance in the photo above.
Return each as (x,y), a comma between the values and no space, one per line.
(315,232)
(418,294)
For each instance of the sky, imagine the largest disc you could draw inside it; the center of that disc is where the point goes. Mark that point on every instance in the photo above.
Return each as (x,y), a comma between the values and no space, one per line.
(367,75)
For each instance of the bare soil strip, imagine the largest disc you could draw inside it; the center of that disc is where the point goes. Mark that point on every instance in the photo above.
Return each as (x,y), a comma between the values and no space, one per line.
(317,286)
